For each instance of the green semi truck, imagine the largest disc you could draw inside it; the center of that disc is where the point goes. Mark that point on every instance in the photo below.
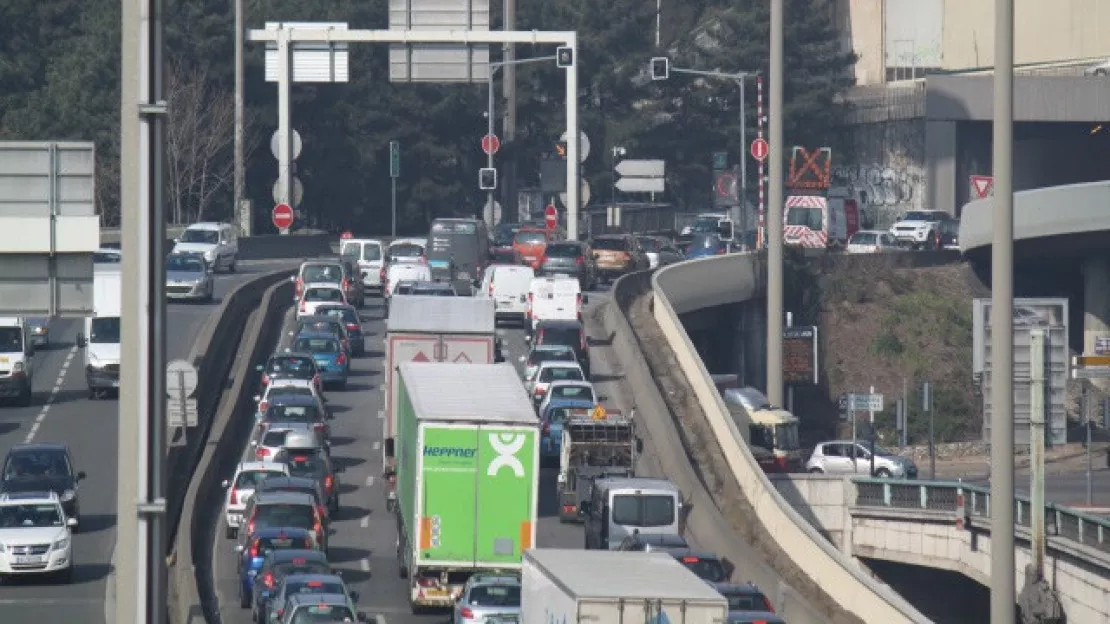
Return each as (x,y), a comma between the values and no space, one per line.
(467,476)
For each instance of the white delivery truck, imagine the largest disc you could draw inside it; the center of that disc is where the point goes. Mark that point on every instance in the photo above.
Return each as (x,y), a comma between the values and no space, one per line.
(457,330)
(615,587)
(100,339)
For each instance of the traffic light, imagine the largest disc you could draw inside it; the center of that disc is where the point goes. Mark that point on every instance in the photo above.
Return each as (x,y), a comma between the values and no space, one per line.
(564,56)
(487,179)
(660,68)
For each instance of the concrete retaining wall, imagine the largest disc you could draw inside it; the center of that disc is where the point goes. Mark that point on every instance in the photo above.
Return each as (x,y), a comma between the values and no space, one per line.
(821,499)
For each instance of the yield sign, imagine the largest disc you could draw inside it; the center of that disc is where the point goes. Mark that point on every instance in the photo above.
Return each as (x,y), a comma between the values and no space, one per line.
(462,357)
(982,185)
(420,357)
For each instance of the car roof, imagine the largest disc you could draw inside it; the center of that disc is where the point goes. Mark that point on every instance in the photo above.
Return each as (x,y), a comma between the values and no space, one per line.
(738,588)
(333,304)
(290,382)
(317,318)
(286,531)
(283,498)
(494,579)
(552,347)
(322,285)
(286,481)
(291,427)
(296,400)
(254,466)
(206,225)
(300,600)
(326,578)
(560,364)
(292,354)
(560,323)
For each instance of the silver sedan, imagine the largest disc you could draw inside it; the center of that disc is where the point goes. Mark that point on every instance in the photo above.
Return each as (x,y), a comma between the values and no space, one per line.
(489,598)
(188,277)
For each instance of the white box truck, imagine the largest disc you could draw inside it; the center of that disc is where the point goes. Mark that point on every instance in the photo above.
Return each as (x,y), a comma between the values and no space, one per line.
(100,338)
(615,587)
(457,330)
(467,476)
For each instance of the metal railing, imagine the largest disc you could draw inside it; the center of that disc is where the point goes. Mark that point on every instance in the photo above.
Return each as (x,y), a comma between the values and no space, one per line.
(1060,521)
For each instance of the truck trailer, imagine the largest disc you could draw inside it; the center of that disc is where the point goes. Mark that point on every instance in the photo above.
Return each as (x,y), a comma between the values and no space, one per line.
(467,476)
(456,330)
(615,587)
(592,449)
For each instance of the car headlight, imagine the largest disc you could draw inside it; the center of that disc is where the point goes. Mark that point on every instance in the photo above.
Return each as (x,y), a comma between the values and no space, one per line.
(210,254)
(39,330)
(61,544)
(69,495)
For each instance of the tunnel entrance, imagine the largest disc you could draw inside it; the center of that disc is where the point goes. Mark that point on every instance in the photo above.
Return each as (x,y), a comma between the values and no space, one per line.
(944,597)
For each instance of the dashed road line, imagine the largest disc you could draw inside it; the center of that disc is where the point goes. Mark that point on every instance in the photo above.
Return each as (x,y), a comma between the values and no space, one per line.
(365,522)
(377,445)
(370,481)
(365,565)
(57,387)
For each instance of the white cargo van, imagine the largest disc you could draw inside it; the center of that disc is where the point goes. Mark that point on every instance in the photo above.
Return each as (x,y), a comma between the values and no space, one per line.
(369,255)
(217,242)
(17,362)
(556,298)
(508,285)
(101,337)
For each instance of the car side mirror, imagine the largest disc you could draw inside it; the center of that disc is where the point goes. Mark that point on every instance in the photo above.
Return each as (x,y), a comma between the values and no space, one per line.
(260,368)
(81,341)
(528,338)
(225,484)
(601,398)
(176,241)
(71,523)
(81,476)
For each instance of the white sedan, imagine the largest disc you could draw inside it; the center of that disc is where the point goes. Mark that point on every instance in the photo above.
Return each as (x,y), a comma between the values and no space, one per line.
(583,390)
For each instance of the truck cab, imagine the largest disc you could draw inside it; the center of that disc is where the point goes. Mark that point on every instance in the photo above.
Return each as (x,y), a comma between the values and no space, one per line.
(17,362)
(100,339)
(765,426)
(592,448)
(620,506)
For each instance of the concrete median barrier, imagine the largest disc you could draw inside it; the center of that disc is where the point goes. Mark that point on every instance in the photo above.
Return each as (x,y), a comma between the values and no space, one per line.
(821,584)
(259,323)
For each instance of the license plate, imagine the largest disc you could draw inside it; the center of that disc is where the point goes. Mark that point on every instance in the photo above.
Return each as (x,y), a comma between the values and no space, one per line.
(463,275)
(27,559)
(435,593)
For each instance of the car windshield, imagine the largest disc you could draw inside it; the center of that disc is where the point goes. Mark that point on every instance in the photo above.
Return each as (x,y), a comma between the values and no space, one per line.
(301,566)
(249,479)
(11,339)
(273,437)
(288,391)
(611,244)
(322,273)
(495,596)
(805,216)
(559,415)
(104,257)
(651,244)
(406,250)
(563,250)
(323,294)
(922,215)
(104,330)
(294,587)
(291,413)
(572,392)
(786,438)
(561,373)
(347,315)
(281,542)
(643,510)
(317,345)
(322,613)
(706,569)
(540,356)
(863,238)
(185,264)
(744,600)
(30,515)
(295,366)
(284,515)
(304,462)
(705,241)
(530,237)
(210,237)
(331,325)
(36,464)
(503,237)
(569,336)
(707,224)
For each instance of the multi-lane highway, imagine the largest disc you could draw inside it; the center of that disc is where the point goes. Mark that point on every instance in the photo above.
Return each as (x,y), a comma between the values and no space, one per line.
(63,413)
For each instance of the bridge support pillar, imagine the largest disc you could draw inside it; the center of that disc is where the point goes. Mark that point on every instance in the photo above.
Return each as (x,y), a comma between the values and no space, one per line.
(751,340)
(1096,310)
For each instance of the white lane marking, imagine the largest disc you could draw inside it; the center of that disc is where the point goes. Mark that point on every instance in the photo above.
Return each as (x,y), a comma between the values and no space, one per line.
(54,390)
(380,618)
(381,414)
(365,565)
(370,481)
(365,522)
(376,445)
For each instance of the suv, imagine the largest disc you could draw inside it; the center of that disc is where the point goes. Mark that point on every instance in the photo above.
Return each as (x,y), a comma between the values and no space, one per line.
(241,488)
(846,457)
(217,242)
(285,509)
(618,254)
(566,333)
(43,467)
(17,364)
(745,598)
(707,566)
(290,366)
(339,272)
(278,564)
(918,227)
(36,535)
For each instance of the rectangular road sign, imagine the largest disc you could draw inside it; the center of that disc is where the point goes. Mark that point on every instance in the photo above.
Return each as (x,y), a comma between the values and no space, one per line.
(312,62)
(181,413)
(439,62)
(1091,372)
(865,402)
(641,176)
(1091,360)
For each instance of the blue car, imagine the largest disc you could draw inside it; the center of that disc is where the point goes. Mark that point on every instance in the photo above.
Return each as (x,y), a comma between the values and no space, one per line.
(706,246)
(331,359)
(261,543)
(277,565)
(553,417)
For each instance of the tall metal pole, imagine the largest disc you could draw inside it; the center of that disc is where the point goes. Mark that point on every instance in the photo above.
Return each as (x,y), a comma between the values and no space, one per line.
(775,301)
(572,143)
(1087,427)
(1003,575)
(285,130)
(1036,447)
(129,606)
(242,208)
(508,89)
(739,210)
(658,24)
(393,203)
(488,212)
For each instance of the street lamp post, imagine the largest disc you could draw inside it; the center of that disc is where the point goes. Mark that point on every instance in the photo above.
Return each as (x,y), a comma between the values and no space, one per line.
(490,107)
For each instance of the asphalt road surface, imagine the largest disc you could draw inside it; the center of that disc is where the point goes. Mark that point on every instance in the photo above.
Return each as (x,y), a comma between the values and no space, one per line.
(1069,488)
(63,413)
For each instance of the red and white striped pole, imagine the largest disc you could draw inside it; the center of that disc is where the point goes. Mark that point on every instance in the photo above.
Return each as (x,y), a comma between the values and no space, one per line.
(759,133)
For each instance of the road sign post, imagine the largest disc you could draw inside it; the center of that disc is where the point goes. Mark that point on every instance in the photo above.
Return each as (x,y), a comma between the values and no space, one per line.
(181,383)
(394,173)
(927,407)
(282,217)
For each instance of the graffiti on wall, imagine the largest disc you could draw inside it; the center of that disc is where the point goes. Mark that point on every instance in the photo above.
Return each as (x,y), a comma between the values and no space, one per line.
(881,188)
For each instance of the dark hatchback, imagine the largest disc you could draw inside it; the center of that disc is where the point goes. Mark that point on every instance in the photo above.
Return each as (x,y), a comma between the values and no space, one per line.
(573,258)
(348,315)
(567,333)
(290,366)
(43,467)
(501,238)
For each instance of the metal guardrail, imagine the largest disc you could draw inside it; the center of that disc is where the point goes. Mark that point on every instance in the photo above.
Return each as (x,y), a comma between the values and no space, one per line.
(1060,521)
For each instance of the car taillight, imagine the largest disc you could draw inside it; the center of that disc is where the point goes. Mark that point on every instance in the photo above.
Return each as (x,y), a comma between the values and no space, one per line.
(531,300)
(234,500)
(250,528)
(721,252)
(316,380)
(263,406)
(319,530)
(422,259)
(280,612)
(353,327)
(304,306)
(345,284)
(547,428)
(320,509)
(427,581)
(580,260)
(582,342)
(328,483)
(262,453)
(254,546)
(540,391)
(265,379)
(578,304)
(299,287)
(342,359)
(466,612)
(268,580)
(767,605)
(491,288)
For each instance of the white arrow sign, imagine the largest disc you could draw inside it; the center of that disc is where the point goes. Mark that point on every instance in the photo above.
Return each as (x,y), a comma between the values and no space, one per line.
(641,176)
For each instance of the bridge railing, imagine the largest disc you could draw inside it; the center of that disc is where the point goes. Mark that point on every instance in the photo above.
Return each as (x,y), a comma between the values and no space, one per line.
(1060,521)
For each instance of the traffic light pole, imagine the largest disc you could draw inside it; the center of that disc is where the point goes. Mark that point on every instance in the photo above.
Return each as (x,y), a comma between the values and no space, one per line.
(289,35)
